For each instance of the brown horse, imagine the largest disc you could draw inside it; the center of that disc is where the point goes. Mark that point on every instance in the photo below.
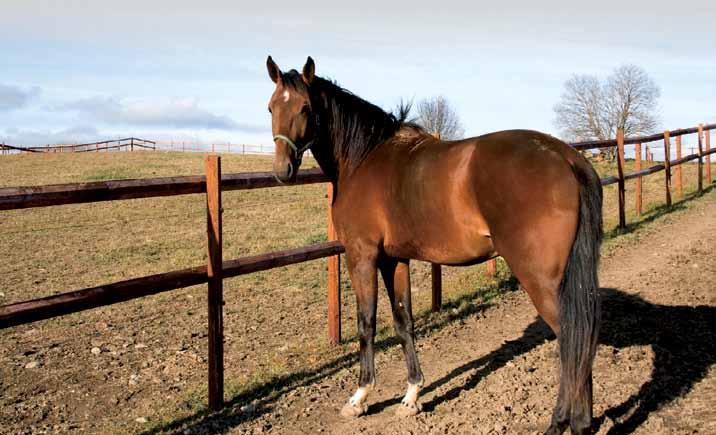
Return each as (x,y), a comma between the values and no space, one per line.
(400,194)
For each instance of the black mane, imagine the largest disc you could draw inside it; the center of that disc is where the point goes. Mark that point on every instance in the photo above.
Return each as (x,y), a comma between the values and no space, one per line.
(351,124)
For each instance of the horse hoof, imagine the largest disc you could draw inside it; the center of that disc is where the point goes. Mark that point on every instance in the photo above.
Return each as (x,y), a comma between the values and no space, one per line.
(352,411)
(408,409)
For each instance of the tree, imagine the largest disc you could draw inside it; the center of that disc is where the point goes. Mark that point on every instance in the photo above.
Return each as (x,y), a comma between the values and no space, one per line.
(437,116)
(590,110)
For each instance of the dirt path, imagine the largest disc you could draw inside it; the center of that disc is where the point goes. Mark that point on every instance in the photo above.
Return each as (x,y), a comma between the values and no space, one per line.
(494,372)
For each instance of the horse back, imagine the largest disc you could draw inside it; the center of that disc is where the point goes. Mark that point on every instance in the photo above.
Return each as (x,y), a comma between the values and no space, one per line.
(454,202)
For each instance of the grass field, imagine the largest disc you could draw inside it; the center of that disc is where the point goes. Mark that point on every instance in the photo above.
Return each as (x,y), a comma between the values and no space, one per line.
(275,320)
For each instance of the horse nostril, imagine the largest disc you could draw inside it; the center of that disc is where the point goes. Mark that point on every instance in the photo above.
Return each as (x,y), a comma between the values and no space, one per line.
(290,170)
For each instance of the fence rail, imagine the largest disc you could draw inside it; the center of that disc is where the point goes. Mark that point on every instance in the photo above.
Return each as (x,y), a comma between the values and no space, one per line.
(128,143)
(13,198)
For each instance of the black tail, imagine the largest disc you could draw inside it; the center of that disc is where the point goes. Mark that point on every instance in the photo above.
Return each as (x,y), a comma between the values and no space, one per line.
(580,313)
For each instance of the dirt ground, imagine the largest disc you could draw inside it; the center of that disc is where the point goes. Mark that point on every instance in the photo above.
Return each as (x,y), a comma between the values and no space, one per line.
(489,363)
(494,370)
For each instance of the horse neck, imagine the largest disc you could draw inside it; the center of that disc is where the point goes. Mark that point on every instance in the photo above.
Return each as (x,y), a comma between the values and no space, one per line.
(333,154)
(325,156)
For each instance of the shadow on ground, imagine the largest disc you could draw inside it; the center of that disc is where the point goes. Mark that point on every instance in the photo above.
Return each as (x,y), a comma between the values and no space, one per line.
(683,340)
(264,395)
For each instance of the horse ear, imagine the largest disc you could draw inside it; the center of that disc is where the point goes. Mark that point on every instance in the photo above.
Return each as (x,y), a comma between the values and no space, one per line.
(273,70)
(309,71)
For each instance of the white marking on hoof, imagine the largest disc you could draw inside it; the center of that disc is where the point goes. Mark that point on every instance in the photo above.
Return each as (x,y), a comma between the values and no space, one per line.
(355,406)
(409,406)
(408,410)
(286,96)
(352,411)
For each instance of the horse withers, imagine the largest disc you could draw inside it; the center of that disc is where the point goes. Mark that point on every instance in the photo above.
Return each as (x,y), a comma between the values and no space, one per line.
(401,194)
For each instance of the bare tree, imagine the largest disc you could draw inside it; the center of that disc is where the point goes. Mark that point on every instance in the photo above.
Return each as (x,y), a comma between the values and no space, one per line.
(590,110)
(438,117)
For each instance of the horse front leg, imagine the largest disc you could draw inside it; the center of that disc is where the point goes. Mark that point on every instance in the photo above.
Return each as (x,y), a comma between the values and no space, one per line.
(363,273)
(396,275)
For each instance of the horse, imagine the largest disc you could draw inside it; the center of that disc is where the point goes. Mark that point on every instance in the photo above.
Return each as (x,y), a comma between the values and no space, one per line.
(402,194)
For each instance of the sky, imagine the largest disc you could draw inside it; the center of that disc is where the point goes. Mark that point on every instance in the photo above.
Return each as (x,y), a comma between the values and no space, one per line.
(77,71)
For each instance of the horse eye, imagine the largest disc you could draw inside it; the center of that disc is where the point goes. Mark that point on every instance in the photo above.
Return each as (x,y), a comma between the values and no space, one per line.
(305,109)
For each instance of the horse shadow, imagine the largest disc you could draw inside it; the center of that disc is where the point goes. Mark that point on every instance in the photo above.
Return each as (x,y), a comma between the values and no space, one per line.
(683,339)
(264,396)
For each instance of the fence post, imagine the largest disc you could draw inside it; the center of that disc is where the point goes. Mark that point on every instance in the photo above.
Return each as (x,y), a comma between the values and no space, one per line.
(131,144)
(334,280)
(437,275)
(491,268)
(620,170)
(214,272)
(701,159)
(679,178)
(437,282)
(667,166)
(708,157)
(637,168)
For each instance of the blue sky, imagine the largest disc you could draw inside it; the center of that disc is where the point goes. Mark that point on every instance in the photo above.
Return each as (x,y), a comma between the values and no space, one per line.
(86,70)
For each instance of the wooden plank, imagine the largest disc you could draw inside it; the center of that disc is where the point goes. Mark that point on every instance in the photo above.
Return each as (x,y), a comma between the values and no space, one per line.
(684,159)
(701,159)
(108,294)
(215,279)
(334,280)
(647,171)
(437,287)
(620,171)
(667,167)
(12,198)
(641,139)
(609,180)
(708,157)
(23,149)
(491,267)
(679,179)
(243,266)
(637,167)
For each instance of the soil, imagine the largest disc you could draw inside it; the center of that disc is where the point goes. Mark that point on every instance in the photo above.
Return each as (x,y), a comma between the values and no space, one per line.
(491,369)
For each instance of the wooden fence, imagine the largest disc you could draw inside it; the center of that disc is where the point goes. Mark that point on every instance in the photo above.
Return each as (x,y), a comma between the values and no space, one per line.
(217,269)
(128,144)
(230,148)
(703,139)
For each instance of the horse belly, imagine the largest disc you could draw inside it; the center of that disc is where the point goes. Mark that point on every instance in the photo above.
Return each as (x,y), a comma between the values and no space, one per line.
(442,239)
(435,216)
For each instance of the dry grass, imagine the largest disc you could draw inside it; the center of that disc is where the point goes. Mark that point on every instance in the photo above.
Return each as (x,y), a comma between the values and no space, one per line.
(276,317)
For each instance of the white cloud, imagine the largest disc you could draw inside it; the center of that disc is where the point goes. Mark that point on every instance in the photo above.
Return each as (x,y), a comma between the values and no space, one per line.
(14,97)
(180,113)
(79,134)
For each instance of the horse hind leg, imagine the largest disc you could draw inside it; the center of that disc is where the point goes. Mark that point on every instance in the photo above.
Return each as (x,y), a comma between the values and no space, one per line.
(544,295)
(396,275)
(569,306)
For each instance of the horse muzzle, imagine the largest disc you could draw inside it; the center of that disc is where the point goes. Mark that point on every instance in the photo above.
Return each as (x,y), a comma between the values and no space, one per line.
(285,170)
